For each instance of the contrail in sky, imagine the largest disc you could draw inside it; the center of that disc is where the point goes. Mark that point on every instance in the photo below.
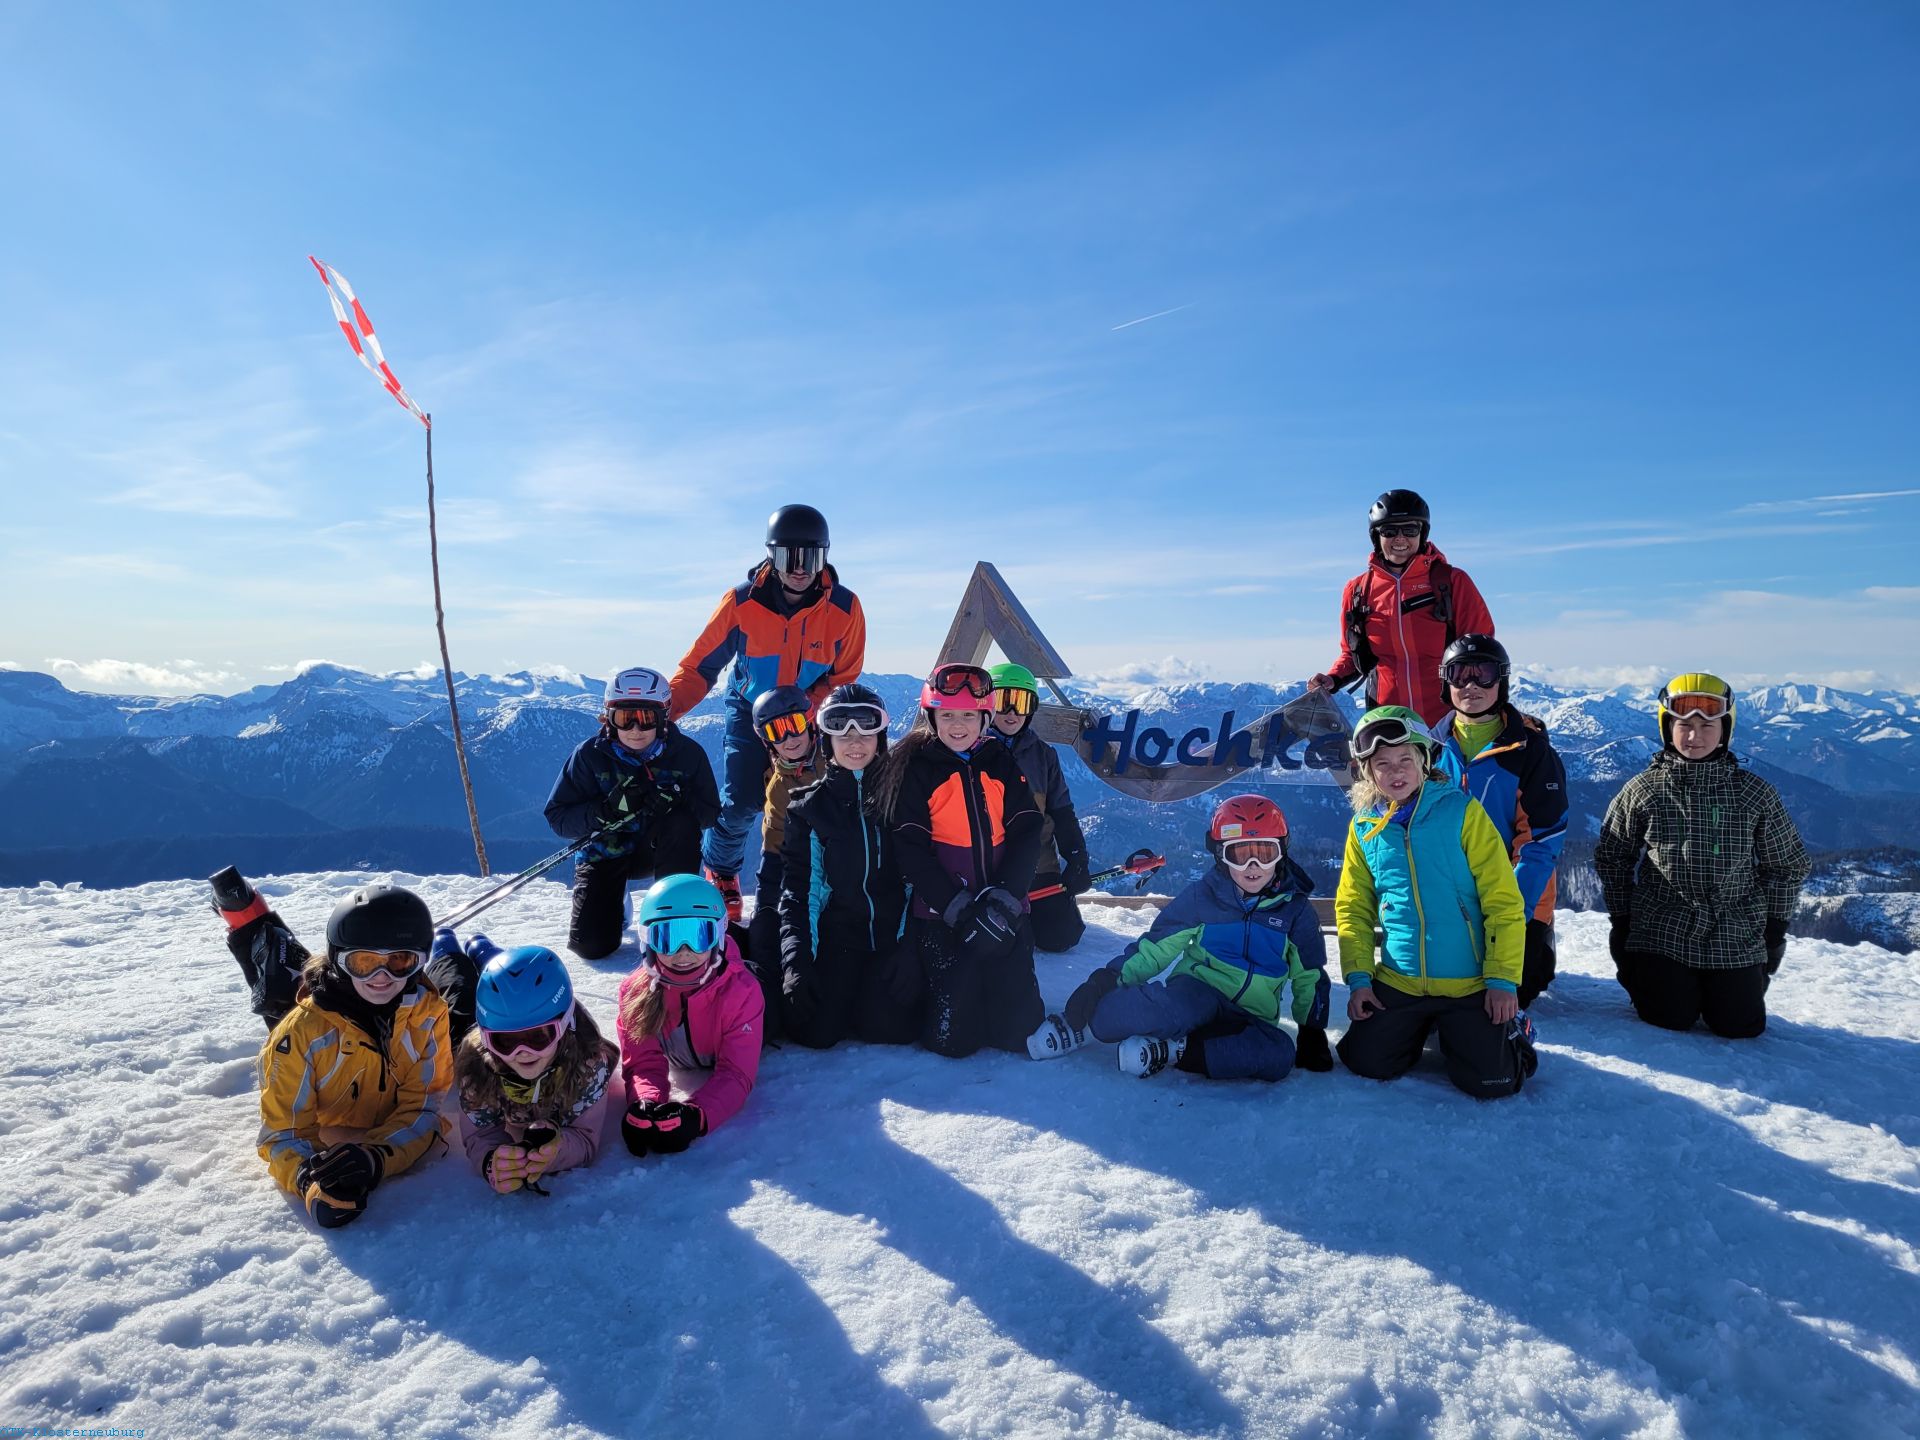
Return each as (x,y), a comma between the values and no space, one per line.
(1156,315)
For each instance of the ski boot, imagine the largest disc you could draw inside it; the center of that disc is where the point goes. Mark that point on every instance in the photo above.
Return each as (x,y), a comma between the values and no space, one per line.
(729,888)
(260,941)
(1055,1038)
(1143,1055)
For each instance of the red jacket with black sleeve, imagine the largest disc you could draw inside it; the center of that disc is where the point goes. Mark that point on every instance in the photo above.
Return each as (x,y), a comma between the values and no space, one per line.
(1400,625)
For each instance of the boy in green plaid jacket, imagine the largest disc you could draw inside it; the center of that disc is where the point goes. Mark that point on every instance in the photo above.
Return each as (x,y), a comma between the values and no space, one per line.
(1701,869)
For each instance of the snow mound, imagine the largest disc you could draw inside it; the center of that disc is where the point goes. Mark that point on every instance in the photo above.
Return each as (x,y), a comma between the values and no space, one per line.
(1664,1235)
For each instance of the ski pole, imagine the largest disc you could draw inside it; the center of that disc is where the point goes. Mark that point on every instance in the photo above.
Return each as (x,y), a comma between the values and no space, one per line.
(532,872)
(1142,862)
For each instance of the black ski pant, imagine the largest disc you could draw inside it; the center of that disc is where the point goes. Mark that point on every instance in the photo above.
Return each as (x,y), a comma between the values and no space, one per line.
(976,999)
(762,938)
(1485,1060)
(600,884)
(1057,924)
(457,979)
(1536,972)
(270,958)
(1673,996)
(853,993)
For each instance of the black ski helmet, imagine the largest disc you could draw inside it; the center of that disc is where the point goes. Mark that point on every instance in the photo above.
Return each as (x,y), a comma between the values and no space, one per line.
(780,700)
(380,917)
(797,526)
(1478,647)
(854,693)
(1398,505)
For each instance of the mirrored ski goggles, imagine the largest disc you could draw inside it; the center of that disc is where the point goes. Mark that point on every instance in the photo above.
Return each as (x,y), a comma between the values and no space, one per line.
(1390,731)
(784,727)
(636,717)
(1484,673)
(1408,531)
(856,718)
(961,680)
(365,964)
(1705,704)
(1016,702)
(1239,854)
(684,932)
(790,559)
(535,1037)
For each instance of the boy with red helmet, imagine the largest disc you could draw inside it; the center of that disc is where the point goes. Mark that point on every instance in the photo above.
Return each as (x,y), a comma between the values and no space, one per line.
(1201,989)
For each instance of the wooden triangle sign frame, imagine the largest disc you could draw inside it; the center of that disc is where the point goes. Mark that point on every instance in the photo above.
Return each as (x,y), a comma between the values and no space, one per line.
(991,614)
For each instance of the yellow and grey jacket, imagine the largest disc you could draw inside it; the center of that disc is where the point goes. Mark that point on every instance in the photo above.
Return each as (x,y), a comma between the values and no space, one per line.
(334,1064)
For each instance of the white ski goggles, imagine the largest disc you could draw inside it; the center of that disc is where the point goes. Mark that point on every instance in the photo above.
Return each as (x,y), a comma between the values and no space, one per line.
(1243,854)
(854,717)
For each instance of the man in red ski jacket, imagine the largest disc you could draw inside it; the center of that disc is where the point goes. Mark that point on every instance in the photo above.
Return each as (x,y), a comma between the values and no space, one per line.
(1399,615)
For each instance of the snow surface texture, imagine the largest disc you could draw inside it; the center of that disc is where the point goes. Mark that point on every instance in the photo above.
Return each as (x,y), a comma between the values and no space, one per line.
(1664,1235)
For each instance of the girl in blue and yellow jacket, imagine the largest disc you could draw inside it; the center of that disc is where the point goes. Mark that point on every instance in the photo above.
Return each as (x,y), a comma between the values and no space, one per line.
(1201,990)
(1427,867)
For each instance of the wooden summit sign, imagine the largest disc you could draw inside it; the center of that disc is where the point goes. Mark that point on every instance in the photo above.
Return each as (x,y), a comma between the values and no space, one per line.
(1148,763)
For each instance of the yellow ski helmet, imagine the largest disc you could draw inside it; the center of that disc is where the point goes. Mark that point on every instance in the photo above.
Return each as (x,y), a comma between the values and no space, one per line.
(1695,693)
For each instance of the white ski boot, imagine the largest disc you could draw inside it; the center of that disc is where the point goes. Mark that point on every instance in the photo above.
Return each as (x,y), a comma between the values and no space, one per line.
(1055,1038)
(1143,1055)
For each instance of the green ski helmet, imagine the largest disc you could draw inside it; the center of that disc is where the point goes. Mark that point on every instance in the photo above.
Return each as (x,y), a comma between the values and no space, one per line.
(1015,691)
(1391,725)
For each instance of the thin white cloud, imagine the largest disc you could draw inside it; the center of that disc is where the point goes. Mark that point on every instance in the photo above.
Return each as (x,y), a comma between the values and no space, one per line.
(1814,502)
(1129,324)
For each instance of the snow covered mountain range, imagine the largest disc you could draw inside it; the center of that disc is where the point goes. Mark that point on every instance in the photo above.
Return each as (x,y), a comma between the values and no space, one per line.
(340,767)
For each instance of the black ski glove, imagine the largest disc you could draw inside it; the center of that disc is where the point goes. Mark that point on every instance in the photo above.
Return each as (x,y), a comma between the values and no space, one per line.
(1776,943)
(1310,1051)
(992,921)
(348,1169)
(676,1125)
(666,795)
(799,995)
(1076,878)
(1095,988)
(1071,840)
(662,1127)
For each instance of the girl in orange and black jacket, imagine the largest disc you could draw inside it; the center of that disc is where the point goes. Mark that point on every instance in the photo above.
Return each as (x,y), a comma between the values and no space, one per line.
(967,835)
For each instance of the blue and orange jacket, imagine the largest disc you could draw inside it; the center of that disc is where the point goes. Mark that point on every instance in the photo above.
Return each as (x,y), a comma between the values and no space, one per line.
(1406,630)
(1248,947)
(818,646)
(1435,877)
(1521,784)
(964,822)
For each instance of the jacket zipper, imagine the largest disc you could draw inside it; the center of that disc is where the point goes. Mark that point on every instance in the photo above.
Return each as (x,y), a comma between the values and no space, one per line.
(976,822)
(1419,909)
(866,860)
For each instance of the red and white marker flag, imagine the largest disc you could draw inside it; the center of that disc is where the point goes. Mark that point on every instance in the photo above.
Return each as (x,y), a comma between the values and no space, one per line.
(359,333)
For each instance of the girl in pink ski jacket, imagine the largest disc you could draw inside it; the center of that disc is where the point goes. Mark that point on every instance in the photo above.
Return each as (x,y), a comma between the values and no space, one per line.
(690,1003)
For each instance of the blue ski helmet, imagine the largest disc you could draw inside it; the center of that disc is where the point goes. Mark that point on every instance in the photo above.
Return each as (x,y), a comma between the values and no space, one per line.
(521,988)
(677,897)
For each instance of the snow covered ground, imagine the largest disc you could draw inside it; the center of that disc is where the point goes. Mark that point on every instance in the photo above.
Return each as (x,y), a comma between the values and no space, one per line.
(1663,1235)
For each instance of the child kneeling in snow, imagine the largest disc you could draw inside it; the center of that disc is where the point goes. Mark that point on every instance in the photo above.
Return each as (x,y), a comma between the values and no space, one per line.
(353,1077)
(1201,989)
(693,1003)
(1427,866)
(1701,869)
(534,1073)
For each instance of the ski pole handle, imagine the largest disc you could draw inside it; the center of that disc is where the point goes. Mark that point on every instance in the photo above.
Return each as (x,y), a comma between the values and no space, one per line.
(1142,863)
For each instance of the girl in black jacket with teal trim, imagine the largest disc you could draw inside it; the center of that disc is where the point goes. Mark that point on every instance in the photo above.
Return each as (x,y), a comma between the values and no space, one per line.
(844,972)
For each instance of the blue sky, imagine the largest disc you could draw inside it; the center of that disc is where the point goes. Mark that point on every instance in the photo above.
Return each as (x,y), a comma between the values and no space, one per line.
(1629,292)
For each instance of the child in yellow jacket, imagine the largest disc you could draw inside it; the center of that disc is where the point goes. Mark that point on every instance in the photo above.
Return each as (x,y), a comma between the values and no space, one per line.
(354,1076)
